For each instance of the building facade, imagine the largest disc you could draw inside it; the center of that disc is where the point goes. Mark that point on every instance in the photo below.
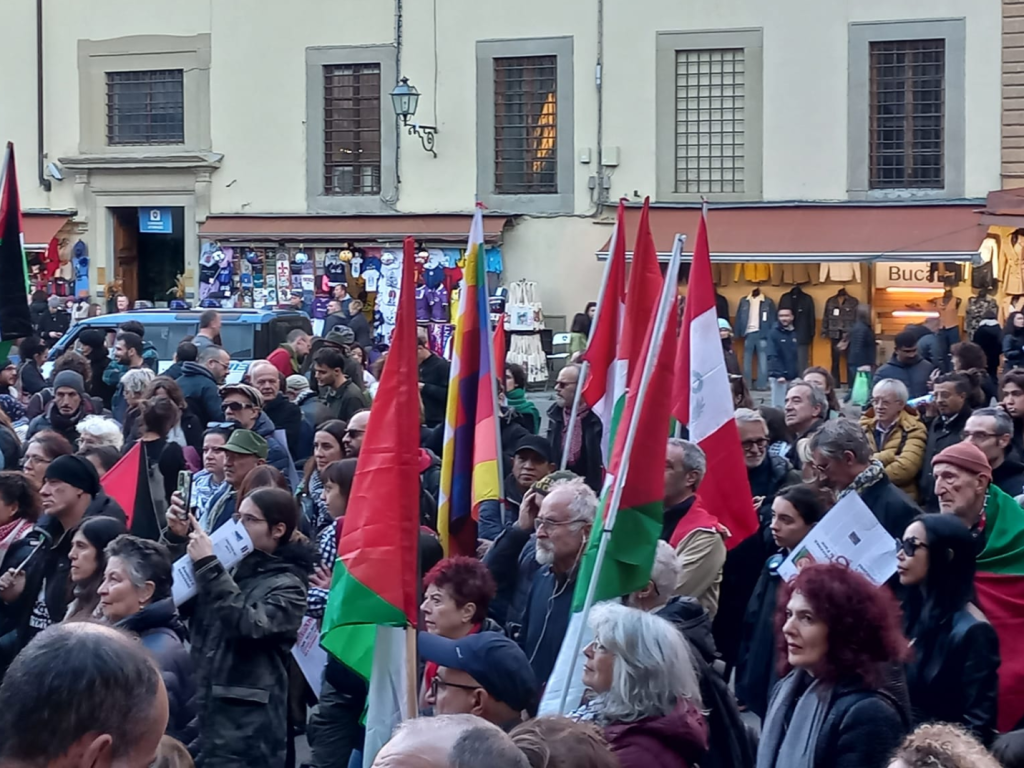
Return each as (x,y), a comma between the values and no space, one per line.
(267,123)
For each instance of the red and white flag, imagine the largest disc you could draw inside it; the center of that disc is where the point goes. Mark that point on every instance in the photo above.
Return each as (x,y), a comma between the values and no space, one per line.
(702,399)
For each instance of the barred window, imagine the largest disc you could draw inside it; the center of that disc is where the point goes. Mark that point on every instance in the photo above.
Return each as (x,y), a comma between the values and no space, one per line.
(352,148)
(907,113)
(146,107)
(710,96)
(526,125)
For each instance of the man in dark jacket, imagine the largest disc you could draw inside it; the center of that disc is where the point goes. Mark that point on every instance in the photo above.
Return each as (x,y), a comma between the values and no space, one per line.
(33,356)
(533,460)
(359,325)
(434,373)
(341,396)
(187,352)
(585,456)
(563,527)
(69,406)
(842,454)
(907,366)
(284,414)
(861,352)
(200,382)
(991,429)
(783,363)
(989,336)
(930,345)
(39,595)
(952,401)
(335,316)
(55,322)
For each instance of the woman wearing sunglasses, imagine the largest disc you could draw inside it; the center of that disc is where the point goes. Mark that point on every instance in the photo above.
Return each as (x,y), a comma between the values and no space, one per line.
(953,673)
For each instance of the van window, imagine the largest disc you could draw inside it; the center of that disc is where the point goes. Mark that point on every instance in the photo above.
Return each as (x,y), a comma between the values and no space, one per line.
(167,336)
(237,340)
(280,327)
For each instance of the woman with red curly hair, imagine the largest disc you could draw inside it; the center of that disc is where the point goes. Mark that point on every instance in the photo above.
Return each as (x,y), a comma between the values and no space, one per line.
(839,640)
(457,593)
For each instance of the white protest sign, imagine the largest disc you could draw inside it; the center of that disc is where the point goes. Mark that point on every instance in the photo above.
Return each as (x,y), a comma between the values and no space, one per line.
(309,655)
(851,535)
(231,543)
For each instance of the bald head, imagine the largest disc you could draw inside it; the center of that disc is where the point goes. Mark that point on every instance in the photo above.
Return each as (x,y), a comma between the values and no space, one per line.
(266,378)
(352,443)
(427,742)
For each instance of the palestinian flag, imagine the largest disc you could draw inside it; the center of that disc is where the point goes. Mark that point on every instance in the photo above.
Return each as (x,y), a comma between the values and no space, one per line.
(15,321)
(632,506)
(999,584)
(373,595)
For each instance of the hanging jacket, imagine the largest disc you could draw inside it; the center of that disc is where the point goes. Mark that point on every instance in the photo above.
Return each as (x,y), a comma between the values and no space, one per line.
(840,315)
(752,271)
(989,336)
(766,320)
(902,454)
(804,320)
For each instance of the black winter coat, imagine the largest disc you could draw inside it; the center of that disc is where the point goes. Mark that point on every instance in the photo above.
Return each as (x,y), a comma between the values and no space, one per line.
(782,353)
(590,463)
(914,375)
(942,433)
(243,628)
(286,415)
(893,508)
(202,395)
(164,636)
(1009,476)
(513,564)
(802,306)
(756,673)
(10,450)
(30,378)
(862,350)
(1013,350)
(861,729)
(433,374)
(989,336)
(958,682)
(55,322)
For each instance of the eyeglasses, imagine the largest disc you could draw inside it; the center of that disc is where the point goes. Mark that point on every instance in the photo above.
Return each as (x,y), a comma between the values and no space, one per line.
(759,443)
(236,406)
(547,522)
(978,435)
(247,519)
(910,546)
(438,683)
(32,460)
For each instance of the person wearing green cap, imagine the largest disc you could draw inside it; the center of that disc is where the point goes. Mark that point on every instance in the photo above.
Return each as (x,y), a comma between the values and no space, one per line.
(243,452)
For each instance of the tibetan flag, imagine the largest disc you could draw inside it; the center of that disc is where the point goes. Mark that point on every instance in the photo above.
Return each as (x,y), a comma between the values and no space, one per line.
(999,583)
(15,321)
(470,472)
(632,506)
(121,481)
(606,373)
(702,399)
(373,595)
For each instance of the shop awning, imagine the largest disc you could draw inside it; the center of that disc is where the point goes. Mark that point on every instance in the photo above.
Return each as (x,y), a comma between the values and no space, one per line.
(41,228)
(825,232)
(442,228)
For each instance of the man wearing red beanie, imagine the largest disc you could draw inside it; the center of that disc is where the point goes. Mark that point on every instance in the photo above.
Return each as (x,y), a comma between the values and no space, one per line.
(963,486)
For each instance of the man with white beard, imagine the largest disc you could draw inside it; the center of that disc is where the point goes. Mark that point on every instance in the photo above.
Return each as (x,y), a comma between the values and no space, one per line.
(562,522)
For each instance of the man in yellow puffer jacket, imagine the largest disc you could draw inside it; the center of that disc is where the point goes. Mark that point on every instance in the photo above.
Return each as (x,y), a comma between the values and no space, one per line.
(896,434)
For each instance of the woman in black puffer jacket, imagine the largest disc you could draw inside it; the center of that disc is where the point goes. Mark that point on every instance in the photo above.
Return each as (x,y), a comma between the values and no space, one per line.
(136,596)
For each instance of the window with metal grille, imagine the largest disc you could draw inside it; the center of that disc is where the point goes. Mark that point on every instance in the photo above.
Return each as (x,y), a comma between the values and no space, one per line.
(526,125)
(907,113)
(352,129)
(146,107)
(710,92)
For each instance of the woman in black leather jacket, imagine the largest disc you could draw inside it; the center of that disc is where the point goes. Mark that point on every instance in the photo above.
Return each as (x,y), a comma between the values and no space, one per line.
(953,674)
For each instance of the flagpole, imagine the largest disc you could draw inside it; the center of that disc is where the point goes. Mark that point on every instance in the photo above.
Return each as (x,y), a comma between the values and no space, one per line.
(585,367)
(667,295)
(411,671)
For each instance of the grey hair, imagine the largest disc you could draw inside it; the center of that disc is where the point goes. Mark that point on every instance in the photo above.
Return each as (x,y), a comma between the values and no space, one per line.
(892,386)
(486,746)
(443,730)
(1004,424)
(694,459)
(103,429)
(653,668)
(666,571)
(749,416)
(136,380)
(818,396)
(584,501)
(839,436)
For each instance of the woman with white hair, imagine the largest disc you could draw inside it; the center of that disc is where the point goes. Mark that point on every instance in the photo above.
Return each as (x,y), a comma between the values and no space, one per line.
(646,693)
(96,431)
(896,434)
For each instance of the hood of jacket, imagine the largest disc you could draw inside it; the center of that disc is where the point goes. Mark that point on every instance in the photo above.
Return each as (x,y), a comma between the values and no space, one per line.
(682,732)
(917,361)
(157,615)
(690,618)
(297,557)
(264,427)
(191,368)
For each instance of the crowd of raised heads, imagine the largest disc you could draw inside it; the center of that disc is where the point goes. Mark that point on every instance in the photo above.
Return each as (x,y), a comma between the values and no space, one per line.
(715,660)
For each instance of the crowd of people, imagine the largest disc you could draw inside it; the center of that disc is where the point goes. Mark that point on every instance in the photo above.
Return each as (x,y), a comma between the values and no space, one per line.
(716,661)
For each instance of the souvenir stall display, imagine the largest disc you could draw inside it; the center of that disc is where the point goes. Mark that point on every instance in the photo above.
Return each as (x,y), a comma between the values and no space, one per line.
(524,321)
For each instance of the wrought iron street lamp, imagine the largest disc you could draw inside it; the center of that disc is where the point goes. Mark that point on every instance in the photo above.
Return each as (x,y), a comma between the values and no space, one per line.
(405,98)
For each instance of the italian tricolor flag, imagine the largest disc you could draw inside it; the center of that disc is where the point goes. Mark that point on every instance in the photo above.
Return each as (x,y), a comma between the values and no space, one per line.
(629,519)
(373,597)
(15,321)
(999,583)
(621,320)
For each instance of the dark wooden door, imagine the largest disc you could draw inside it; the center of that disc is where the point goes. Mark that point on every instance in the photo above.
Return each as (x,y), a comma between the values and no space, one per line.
(126,252)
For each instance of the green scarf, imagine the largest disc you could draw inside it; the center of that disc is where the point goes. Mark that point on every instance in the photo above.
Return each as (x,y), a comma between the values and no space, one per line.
(516,399)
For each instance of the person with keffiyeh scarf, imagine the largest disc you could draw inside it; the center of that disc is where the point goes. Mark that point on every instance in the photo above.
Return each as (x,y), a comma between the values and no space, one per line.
(585,458)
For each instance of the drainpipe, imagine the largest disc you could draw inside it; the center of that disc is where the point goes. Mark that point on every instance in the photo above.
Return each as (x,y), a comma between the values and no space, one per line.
(602,193)
(41,154)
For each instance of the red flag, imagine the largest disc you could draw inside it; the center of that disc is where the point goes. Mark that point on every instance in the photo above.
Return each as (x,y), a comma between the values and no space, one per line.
(702,399)
(121,481)
(642,292)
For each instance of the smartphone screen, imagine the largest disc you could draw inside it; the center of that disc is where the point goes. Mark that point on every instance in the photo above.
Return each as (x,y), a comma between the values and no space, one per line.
(185,490)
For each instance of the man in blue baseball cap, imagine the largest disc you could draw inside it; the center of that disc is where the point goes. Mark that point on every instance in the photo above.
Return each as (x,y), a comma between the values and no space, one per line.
(485,674)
